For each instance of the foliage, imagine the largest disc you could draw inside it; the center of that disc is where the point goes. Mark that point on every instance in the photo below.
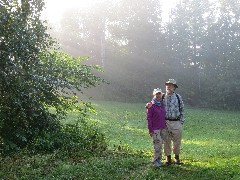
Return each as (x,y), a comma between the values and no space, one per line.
(210,149)
(197,43)
(34,79)
(71,139)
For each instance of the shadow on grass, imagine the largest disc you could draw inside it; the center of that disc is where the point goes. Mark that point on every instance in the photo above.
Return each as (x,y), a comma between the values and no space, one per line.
(186,171)
(109,165)
(134,166)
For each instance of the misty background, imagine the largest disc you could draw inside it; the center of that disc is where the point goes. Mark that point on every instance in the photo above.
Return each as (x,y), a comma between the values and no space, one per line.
(140,47)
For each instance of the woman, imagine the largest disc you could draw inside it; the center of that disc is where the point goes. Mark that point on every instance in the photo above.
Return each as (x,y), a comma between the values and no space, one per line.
(157,125)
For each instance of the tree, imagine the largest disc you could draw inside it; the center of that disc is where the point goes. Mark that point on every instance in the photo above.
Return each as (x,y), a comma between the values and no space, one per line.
(199,47)
(223,48)
(37,83)
(186,35)
(124,35)
(204,39)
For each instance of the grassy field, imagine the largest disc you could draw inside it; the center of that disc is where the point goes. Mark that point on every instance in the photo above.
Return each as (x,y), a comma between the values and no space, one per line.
(210,149)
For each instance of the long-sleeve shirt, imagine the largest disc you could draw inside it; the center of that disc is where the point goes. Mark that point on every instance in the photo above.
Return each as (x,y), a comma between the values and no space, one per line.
(173,111)
(156,117)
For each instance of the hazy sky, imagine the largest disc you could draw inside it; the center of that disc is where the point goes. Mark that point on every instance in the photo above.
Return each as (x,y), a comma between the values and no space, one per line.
(55,8)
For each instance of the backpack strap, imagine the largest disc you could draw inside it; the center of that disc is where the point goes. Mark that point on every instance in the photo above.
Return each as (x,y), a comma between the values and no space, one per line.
(163,97)
(179,104)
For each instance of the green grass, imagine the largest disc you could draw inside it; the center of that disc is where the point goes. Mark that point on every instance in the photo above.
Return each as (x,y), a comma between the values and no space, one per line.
(210,149)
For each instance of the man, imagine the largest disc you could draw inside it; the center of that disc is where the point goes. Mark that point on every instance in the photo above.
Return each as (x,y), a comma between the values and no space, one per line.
(174,108)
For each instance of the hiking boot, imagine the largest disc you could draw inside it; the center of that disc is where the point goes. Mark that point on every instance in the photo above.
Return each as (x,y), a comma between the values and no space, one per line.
(168,160)
(157,163)
(177,160)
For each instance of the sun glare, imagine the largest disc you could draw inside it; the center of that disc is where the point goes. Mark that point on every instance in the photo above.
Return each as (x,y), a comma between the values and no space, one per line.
(55,8)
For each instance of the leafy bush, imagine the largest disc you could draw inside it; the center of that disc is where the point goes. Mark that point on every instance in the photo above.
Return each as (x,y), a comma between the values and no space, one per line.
(34,78)
(71,138)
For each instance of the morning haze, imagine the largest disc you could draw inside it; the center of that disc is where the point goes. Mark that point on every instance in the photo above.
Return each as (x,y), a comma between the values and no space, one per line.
(139,48)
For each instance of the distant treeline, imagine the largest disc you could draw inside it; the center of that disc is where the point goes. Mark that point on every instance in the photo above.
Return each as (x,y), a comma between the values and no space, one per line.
(198,45)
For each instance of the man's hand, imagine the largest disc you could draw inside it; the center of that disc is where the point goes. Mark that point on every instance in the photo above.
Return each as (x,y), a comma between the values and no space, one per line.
(148,105)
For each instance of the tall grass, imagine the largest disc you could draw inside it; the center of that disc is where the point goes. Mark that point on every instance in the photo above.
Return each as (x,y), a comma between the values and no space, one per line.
(210,149)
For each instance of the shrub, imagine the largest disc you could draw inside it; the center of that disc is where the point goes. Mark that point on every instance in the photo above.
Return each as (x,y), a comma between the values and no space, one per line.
(71,138)
(34,78)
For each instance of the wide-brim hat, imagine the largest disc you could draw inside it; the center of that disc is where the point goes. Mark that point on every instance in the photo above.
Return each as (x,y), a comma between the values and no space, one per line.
(157,90)
(172,81)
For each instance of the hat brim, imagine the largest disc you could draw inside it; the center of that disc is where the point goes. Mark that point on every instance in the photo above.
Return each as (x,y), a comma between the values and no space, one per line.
(157,92)
(176,86)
